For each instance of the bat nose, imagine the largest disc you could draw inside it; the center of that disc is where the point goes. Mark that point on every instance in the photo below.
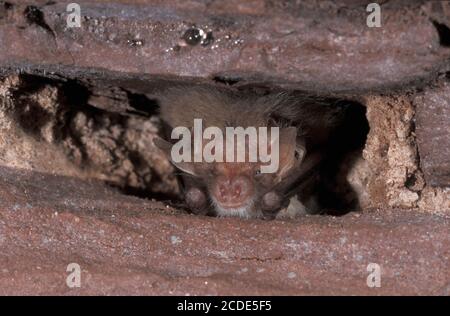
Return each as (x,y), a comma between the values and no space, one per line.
(232,191)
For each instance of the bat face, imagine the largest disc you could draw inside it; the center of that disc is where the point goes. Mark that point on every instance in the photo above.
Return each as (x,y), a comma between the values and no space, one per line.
(238,188)
(232,189)
(243,187)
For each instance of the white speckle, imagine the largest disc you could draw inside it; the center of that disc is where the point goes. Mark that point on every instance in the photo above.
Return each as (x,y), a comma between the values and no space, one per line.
(291,275)
(175,240)
(221,254)
(259,270)
(358,257)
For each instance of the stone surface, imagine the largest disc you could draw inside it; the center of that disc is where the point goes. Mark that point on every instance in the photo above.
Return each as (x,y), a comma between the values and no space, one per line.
(389,172)
(433,133)
(63,128)
(83,109)
(316,45)
(126,245)
(319,45)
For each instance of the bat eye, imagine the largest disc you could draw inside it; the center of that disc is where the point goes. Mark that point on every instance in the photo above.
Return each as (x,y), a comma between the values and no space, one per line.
(257,172)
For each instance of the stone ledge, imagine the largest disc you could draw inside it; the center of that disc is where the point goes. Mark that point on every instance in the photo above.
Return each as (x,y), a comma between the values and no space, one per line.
(314,45)
(127,245)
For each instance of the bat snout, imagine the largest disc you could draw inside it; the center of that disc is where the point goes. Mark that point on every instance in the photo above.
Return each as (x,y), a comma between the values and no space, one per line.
(234,192)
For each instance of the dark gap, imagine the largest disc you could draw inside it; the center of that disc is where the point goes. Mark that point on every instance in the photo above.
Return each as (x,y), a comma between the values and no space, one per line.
(142,104)
(444,33)
(170,199)
(411,181)
(229,81)
(336,195)
(258,88)
(339,140)
(29,114)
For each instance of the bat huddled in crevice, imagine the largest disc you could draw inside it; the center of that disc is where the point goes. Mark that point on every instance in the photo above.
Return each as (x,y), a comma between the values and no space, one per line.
(305,124)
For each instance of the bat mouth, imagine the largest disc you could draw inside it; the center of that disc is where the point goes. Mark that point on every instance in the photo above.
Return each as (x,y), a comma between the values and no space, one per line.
(232,205)
(233,209)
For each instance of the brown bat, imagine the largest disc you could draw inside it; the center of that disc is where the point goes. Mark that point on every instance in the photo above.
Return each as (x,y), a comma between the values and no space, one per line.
(239,188)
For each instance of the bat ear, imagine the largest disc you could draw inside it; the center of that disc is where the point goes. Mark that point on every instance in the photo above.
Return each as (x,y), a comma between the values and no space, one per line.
(292,151)
(187,167)
(166,147)
(300,151)
(162,144)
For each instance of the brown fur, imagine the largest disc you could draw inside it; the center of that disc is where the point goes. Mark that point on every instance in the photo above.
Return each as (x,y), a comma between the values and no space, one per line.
(312,118)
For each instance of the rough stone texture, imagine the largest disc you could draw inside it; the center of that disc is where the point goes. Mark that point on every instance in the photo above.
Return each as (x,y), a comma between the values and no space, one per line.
(44,128)
(126,245)
(433,133)
(77,106)
(390,172)
(319,45)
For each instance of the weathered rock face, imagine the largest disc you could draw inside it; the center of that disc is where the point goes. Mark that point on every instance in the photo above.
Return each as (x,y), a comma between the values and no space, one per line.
(125,245)
(433,118)
(106,132)
(51,126)
(391,154)
(313,44)
(78,112)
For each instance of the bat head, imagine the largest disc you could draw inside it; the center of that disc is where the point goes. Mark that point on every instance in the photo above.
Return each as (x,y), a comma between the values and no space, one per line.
(239,188)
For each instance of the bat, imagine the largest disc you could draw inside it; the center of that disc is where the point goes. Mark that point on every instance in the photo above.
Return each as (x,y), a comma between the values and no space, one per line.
(239,188)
